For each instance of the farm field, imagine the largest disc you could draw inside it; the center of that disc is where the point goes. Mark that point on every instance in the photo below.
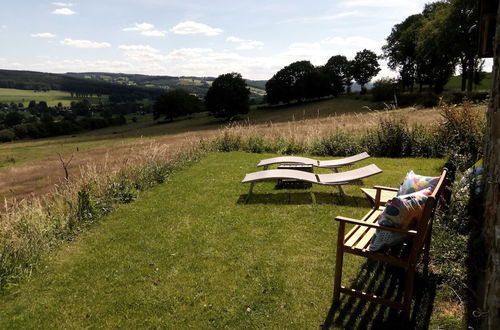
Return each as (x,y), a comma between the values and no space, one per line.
(28,167)
(52,97)
(215,261)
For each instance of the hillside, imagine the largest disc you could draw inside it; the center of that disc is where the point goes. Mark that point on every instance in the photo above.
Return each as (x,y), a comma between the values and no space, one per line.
(192,84)
(31,80)
(144,86)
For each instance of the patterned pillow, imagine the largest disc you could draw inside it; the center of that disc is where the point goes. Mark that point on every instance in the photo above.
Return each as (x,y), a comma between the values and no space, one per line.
(400,212)
(414,182)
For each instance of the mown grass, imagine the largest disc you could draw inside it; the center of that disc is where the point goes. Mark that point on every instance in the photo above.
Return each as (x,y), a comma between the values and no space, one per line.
(190,254)
(52,97)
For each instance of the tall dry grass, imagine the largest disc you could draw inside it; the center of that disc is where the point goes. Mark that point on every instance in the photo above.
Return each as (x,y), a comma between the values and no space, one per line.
(406,132)
(32,226)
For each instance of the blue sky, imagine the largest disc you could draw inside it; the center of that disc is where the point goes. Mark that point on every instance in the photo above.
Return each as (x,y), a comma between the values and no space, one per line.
(200,38)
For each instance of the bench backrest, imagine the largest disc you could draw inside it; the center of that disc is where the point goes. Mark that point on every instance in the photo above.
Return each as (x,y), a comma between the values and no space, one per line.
(425,222)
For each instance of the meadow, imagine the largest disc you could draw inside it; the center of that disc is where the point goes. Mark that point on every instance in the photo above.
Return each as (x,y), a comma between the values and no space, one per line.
(51,240)
(52,97)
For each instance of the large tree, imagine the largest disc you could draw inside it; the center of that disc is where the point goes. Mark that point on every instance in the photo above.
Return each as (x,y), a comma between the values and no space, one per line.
(436,45)
(364,67)
(176,103)
(401,49)
(338,69)
(288,83)
(228,96)
(297,81)
(464,21)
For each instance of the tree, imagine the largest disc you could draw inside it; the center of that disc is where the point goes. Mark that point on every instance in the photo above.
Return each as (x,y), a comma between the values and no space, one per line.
(176,103)
(13,118)
(228,96)
(401,49)
(364,67)
(338,69)
(464,17)
(293,82)
(436,45)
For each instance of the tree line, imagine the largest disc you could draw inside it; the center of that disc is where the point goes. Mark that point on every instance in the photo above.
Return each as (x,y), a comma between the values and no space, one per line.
(38,120)
(228,95)
(302,80)
(426,48)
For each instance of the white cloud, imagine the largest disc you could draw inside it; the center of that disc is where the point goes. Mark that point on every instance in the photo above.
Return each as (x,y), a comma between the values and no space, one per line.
(355,43)
(43,35)
(189,27)
(246,44)
(381,4)
(64,11)
(84,43)
(146,29)
(353,13)
(63,4)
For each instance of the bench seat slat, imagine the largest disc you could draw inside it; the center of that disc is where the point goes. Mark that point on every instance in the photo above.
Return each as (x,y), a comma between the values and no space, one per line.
(358,232)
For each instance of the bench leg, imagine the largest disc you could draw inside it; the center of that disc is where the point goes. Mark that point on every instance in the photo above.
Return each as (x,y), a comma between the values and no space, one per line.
(249,192)
(427,248)
(338,264)
(408,294)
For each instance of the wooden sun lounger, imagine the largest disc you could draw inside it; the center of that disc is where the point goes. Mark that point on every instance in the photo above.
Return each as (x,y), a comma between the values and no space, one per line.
(331,179)
(331,164)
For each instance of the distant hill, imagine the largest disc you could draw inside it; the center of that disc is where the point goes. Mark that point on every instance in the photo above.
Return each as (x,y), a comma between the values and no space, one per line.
(114,83)
(32,80)
(195,85)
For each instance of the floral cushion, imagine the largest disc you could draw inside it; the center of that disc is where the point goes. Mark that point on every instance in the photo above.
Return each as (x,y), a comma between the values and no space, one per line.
(414,182)
(473,179)
(400,212)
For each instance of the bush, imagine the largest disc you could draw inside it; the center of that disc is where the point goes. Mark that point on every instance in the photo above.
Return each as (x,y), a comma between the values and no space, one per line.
(384,89)
(463,132)
(339,144)
(7,135)
(427,100)
(392,138)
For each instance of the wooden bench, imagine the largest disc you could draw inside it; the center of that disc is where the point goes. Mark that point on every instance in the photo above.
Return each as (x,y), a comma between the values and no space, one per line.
(405,255)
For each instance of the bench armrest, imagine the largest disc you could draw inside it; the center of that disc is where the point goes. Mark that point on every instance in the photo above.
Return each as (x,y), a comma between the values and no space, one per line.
(375,225)
(385,188)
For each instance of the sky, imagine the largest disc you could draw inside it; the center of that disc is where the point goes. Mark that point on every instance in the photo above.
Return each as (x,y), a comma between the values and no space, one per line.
(192,37)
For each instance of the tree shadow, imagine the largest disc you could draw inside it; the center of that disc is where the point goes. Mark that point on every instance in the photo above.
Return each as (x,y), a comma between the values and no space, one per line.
(303,198)
(386,281)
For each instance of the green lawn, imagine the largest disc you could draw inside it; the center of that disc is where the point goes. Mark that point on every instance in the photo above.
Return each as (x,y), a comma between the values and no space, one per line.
(190,254)
(52,97)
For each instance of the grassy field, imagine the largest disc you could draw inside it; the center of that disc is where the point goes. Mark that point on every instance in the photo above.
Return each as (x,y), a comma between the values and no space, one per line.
(190,254)
(33,167)
(455,83)
(52,97)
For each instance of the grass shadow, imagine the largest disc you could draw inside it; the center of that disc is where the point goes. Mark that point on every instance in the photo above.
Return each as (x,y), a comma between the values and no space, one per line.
(386,281)
(302,198)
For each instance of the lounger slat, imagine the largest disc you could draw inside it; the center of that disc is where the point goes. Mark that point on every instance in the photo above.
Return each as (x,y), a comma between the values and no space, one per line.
(333,163)
(288,160)
(280,174)
(347,176)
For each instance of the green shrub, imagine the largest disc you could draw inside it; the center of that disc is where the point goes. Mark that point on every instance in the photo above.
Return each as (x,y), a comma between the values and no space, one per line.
(227,142)
(392,138)
(7,135)
(255,144)
(463,133)
(340,144)
(384,89)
